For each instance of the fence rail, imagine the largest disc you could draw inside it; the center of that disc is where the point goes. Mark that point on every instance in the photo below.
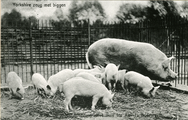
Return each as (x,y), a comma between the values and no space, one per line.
(47,50)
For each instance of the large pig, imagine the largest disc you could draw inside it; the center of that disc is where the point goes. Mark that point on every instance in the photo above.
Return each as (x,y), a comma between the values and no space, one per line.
(141,82)
(110,73)
(82,87)
(89,76)
(55,80)
(15,85)
(133,56)
(40,83)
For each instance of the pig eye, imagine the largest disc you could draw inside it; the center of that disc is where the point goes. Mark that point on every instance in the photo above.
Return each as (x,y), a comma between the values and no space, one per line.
(48,87)
(17,89)
(165,68)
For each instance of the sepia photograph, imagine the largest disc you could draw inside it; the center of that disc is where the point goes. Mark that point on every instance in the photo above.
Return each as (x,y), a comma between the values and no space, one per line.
(94,60)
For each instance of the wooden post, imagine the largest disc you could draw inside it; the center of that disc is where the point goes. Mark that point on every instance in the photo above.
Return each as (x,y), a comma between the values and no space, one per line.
(31,48)
(89,33)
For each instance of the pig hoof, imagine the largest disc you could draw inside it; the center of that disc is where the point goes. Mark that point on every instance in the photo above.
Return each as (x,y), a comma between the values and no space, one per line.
(93,109)
(9,98)
(111,109)
(169,85)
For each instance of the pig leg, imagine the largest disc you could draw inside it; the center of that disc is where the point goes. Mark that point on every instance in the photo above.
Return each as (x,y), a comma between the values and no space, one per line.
(138,90)
(67,102)
(109,86)
(36,99)
(129,88)
(94,102)
(66,105)
(114,85)
(124,88)
(104,81)
(70,106)
(36,89)
(11,93)
(125,85)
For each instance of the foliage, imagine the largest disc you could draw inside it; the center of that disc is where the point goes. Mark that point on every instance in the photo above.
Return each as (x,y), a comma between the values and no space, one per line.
(15,19)
(60,24)
(11,18)
(184,13)
(160,9)
(131,13)
(82,11)
(155,11)
(59,14)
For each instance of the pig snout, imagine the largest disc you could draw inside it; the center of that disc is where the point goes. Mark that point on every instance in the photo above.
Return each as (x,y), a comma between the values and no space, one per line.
(19,95)
(172,75)
(108,103)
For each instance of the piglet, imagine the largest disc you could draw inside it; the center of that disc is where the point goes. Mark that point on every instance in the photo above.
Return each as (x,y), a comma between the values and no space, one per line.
(121,79)
(89,76)
(55,80)
(142,83)
(94,71)
(15,85)
(110,75)
(40,83)
(82,87)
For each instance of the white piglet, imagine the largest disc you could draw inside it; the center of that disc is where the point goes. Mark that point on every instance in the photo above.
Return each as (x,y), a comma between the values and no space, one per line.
(110,75)
(142,83)
(121,79)
(40,83)
(55,80)
(89,76)
(15,85)
(82,87)
(94,71)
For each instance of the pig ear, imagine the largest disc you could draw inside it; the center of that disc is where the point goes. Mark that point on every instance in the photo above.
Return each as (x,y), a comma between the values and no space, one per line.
(118,66)
(165,63)
(101,66)
(98,75)
(95,66)
(153,90)
(170,58)
(48,87)
(110,91)
(157,87)
(60,88)
(17,89)
(113,94)
(98,66)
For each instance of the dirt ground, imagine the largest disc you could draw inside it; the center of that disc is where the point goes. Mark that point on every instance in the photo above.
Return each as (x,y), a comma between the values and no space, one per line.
(167,105)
